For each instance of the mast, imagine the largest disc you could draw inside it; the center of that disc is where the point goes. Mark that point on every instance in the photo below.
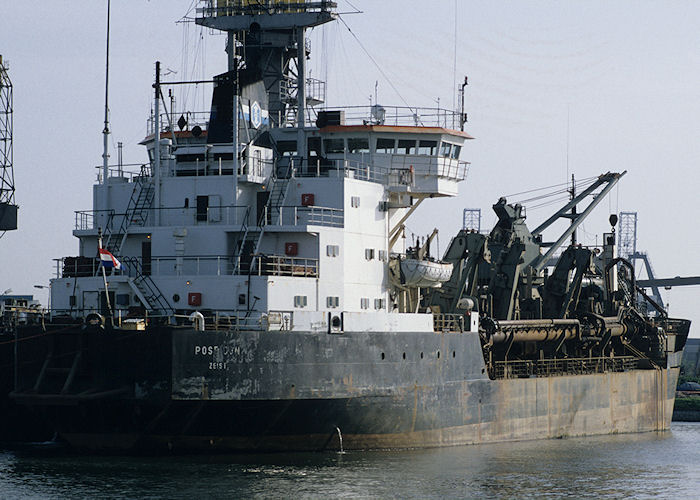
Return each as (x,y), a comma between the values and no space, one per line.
(301,92)
(105,130)
(156,150)
(273,35)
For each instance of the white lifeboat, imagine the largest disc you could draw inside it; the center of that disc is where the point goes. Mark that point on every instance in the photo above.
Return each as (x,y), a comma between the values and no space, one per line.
(425,273)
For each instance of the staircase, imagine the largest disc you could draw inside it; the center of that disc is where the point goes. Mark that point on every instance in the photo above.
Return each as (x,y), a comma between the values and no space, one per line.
(241,243)
(146,289)
(277,187)
(136,212)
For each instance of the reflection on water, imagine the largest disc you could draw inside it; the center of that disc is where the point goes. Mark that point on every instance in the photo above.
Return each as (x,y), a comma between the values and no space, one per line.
(653,465)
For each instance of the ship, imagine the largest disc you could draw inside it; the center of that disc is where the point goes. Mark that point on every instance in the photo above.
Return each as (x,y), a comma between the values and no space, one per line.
(250,287)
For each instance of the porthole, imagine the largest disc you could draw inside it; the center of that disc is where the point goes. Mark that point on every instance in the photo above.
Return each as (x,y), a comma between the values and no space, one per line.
(176,298)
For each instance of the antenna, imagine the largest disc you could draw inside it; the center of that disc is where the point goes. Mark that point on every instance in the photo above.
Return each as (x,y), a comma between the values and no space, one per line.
(463,115)
(105,131)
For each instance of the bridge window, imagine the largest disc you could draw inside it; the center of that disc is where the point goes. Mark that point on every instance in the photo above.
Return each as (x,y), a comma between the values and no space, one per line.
(358,145)
(314,147)
(406,147)
(334,145)
(456,150)
(385,146)
(427,148)
(446,149)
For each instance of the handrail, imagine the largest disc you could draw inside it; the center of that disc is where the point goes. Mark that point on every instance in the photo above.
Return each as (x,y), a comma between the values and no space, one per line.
(561,366)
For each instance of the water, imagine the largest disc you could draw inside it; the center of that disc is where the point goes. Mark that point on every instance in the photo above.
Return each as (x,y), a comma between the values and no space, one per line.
(653,465)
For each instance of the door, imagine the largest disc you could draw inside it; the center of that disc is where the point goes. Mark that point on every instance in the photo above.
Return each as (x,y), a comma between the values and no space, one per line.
(146,257)
(263,196)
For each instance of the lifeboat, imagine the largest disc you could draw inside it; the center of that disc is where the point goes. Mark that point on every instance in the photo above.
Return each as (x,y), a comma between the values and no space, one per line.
(425,273)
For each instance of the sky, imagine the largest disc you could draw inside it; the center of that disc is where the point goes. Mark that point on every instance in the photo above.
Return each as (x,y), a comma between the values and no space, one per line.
(555,89)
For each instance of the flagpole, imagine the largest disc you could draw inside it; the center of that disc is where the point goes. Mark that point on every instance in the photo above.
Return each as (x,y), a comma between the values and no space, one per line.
(104,277)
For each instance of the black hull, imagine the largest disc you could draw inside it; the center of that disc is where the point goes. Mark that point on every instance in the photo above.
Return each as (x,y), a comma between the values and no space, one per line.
(19,423)
(258,391)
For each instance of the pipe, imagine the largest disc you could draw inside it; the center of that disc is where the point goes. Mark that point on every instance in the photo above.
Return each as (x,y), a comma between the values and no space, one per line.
(542,330)
(197,319)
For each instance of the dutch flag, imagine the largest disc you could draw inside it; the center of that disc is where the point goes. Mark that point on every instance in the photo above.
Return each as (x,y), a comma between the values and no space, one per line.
(108,260)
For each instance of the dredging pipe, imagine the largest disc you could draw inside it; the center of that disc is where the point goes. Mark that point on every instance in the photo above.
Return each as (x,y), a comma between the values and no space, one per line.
(542,330)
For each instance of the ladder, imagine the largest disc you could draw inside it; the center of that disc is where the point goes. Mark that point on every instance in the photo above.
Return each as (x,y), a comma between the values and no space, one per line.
(146,289)
(277,187)
(240,244)
(136,212)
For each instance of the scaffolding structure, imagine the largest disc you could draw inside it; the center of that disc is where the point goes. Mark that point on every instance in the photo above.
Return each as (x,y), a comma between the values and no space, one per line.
(471,219)
(8,209)
(627,235)
(627,248)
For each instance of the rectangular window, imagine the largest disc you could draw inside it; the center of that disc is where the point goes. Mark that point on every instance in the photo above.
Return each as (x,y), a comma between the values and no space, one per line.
(358,145)
(428,148)
(381,255)
(364,303)
(379,303)
(332,302)
(287,148)
(355,202)
(406,147)
(385,146)
(332,250)
(446,149)
(314,147)
(455,152)
(334,145)
(369,253)
(300,301)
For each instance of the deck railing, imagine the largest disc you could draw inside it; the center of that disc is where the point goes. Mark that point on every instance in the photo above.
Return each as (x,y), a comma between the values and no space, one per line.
(449,323)
(565,366)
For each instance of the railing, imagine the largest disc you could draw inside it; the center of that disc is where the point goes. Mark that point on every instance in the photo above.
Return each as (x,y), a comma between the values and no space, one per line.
(214,8)
(276,265)
(299,216)
(566,366)
(448,168)
(127,171)
(76,267)
(171,216)
(400,116)
(226,215)
(448,323)
(192,118)
(203,265)
(343,168)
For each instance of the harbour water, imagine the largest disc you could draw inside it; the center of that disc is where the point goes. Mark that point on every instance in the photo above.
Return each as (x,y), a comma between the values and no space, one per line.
(652,465)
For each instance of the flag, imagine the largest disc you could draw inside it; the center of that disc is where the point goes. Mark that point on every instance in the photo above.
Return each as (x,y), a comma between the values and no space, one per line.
(108,260)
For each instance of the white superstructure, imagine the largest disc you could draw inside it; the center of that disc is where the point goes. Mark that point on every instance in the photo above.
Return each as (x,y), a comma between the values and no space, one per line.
(304,219)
